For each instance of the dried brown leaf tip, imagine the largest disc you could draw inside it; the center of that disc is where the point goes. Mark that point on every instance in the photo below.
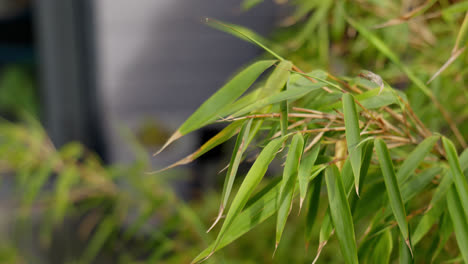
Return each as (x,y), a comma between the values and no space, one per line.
(375,78)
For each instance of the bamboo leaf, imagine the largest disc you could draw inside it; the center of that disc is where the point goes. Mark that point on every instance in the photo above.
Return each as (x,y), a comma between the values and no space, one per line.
(405,255)
(457,214)
(415,158)
(290,94)
(252,179)
(103,232)
(221,100)
(341,214)
(222,136)
(259,208)
(284,117)
(288,183)
(458,178)
(313,206)
(241,33)
(370,99)
(65,181)
(239,148)
(437,203)
(353,136)
(445,231)
(393,191)
(377,250)
(368,148)
(277,79)
(305,169)
(248,4)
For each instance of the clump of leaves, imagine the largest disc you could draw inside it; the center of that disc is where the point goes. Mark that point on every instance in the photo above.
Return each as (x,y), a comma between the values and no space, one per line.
(390,181)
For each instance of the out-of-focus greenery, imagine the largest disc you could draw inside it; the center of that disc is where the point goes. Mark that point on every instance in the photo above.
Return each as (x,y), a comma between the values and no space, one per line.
(18,91)
(65,206)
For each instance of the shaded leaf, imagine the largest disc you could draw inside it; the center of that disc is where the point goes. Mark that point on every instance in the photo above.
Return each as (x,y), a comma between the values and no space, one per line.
(458,178)
(457,214)
(341,214)
(305,169)
(393,190)
(353,137)
(415,158)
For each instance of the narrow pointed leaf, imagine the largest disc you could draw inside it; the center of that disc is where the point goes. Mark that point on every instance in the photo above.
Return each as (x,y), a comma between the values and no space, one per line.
(457,173)
(377,249)
(239,149)
(259,208)
(251,180)
(393,191)
(305,169)
(341,214)
(222,136)
(404,252)
(353,136)
(457,214)
(221,100)
(313,206)
(290,94)
(415,158)
(277,79)
(437,204)
(65,181)
(288,183)
(242,33)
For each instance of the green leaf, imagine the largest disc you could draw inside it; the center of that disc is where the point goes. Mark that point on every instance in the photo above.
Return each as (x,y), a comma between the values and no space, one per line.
(413,160)
(102,233)
(251,180)
(445,232)
(437,203)
(248,4)
(370,99)
(277,79)
(458,178)
(222,136)
(290,94)
(405,255)
(368,148)
(313,206)
(288,183)
(353,137)
(65,181)
(242,33)
(284,110)
(239,149)
(259,208)
(377,249)
(305,169)
(457,214)
(393,190)
(221,100)
(341,214)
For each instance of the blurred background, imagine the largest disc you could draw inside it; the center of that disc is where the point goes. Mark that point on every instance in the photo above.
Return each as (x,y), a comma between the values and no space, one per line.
(107,81)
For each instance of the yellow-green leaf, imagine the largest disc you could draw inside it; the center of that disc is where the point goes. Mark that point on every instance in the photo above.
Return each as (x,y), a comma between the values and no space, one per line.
(353,136)
(288,183)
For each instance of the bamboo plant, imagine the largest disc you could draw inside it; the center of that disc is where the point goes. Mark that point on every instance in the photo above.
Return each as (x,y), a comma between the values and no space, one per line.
(352,140)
